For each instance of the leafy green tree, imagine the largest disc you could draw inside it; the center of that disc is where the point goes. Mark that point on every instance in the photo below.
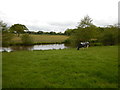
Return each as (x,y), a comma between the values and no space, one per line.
(69,32)
(40,32)
(5,35)
(85,22)
(3,26)
(52,33)
(84,32)
(18,28)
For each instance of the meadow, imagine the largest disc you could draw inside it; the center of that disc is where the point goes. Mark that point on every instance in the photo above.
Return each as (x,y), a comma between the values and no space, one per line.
(95,67)
(42,39)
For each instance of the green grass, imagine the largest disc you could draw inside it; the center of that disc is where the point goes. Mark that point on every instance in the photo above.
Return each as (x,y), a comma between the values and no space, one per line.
(95,67)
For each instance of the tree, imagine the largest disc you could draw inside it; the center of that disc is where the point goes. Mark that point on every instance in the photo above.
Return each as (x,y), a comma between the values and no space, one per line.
(85,31)
(52,33)
(6,35)
(85,22)
(18,28)
(3,26)
(69,32)
(40,32)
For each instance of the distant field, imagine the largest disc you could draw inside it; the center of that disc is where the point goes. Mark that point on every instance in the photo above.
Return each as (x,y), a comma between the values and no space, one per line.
(44,38)
(95,67)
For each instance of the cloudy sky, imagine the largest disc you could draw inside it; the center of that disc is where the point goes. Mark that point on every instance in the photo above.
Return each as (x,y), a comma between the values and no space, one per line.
(57,15)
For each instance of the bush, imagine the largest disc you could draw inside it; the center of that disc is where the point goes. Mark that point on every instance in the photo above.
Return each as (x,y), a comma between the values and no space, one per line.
(67,41)
(96,44)
(109,37)
(6,38)
(27,39)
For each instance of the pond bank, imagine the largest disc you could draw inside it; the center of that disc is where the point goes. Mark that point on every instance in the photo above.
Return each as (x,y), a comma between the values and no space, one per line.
(39,39)
(37,43)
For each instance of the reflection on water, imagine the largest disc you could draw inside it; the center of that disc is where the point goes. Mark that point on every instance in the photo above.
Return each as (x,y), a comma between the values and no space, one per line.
(18,48)
(34,47)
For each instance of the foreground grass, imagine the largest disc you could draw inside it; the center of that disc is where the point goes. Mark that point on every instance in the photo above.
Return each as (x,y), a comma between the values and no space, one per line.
(95,67)
(43,38)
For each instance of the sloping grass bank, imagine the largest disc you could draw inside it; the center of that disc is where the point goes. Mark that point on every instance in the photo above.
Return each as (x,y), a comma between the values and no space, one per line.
(41,39)
(95,67)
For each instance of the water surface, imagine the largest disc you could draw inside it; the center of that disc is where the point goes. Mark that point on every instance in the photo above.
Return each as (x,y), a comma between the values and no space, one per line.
(34,47)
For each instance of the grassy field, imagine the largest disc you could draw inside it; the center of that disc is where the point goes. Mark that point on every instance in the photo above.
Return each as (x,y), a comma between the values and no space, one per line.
(43,38)
(95,67)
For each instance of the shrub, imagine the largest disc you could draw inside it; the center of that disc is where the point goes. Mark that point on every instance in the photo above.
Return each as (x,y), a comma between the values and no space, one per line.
(67,41)
(6,38)
(109,37)
(27,39)
(96,44)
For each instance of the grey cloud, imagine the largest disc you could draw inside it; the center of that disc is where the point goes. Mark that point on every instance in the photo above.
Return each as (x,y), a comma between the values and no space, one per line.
(104,22)
(48,28)
(40,28)
(37,28)
(53,26)
(63,24)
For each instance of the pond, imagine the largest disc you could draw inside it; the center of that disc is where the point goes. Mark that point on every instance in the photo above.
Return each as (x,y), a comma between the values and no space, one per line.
(34,47)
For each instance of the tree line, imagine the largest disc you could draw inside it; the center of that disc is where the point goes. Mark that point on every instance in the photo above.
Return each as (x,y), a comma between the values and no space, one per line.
(21,31)
(43,33)
(87,31)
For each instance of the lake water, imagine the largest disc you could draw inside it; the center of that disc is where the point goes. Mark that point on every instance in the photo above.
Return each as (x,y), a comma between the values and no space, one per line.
(34,47)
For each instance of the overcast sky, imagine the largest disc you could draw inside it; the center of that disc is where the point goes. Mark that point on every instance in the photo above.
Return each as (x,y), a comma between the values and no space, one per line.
(57,15)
